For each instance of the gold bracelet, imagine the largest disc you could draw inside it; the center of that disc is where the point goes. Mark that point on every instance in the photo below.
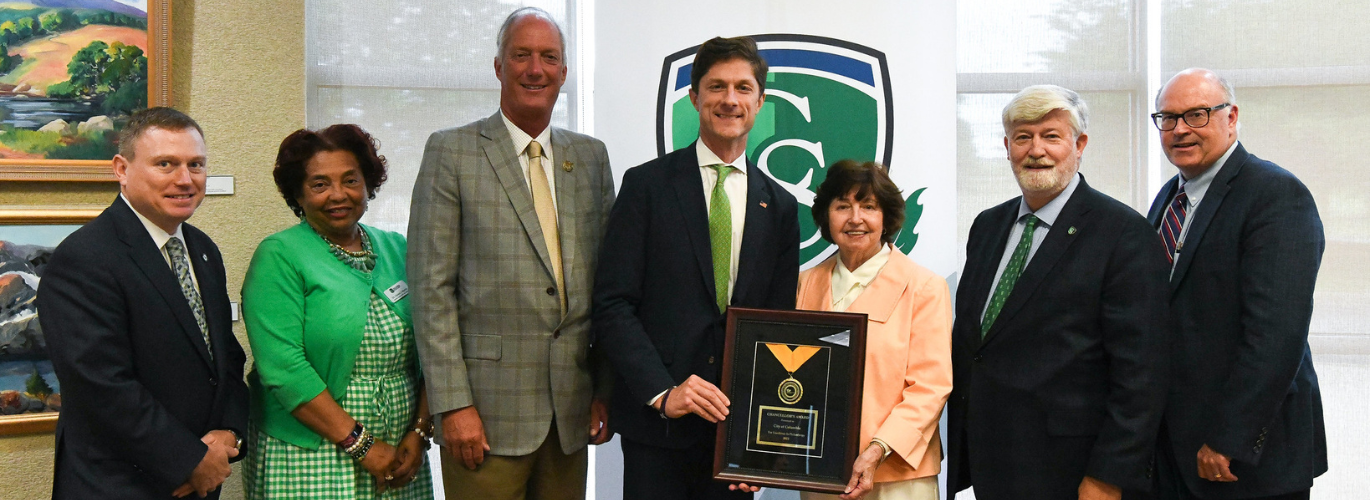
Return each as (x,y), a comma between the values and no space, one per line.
(884,449)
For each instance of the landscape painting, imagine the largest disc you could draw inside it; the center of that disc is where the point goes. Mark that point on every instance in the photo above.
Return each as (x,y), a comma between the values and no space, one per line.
(30,395)
(71,73)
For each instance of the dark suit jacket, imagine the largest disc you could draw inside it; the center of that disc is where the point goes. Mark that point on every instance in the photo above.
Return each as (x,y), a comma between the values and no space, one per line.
(655,314)
(1242,296)
(1069,381)
(138,386)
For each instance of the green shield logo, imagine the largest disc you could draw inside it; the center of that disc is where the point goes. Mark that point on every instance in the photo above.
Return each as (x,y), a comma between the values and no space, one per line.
(826,100)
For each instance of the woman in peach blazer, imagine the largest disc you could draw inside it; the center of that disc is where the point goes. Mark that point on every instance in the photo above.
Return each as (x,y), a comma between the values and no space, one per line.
(908,337)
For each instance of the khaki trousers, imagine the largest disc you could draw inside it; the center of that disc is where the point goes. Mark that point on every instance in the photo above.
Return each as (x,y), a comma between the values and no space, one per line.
(923,488)
(545,474)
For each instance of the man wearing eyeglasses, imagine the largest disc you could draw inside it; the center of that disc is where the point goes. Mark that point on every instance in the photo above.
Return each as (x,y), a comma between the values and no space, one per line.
(1244,416)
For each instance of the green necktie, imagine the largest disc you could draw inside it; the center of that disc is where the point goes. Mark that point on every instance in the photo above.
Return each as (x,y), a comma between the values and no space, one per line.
(1010,276)
(721,236)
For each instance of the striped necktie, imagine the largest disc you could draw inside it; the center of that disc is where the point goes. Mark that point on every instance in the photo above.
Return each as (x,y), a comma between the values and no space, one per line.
(1172,224)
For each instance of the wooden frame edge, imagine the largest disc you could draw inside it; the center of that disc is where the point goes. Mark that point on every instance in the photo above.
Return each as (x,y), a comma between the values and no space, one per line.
(38,214)
(69,171)
(28,423)
(159,51)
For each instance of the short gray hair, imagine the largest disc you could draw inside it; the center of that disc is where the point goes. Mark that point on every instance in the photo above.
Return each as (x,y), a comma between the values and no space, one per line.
(1034,102)
(1229,93)
(502,40)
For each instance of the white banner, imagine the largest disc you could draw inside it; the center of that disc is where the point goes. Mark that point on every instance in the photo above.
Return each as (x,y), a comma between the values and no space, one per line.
(867,81)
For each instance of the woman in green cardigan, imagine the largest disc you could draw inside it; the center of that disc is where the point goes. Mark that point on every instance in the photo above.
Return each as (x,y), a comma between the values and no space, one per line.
(338,408)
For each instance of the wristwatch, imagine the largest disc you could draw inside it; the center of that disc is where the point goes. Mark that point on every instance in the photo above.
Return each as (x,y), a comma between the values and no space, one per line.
(237,440)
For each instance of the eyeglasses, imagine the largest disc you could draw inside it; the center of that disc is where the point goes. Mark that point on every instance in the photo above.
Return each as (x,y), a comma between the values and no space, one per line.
(1195,118)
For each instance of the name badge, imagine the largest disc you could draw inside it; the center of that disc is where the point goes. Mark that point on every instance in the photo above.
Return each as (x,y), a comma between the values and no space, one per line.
(397,291)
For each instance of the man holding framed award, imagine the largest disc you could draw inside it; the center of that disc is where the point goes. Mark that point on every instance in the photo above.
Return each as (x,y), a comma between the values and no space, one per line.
(692,233)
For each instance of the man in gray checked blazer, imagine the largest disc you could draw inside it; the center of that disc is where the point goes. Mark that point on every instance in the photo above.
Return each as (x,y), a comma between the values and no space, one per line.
(507,217)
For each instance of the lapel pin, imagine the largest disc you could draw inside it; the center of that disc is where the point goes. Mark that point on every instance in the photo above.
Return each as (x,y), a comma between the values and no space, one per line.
(568,166)
(763,204)
(1071,230)
(204,257)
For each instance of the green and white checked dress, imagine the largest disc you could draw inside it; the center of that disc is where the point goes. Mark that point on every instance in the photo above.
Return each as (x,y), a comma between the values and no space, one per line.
(381,395)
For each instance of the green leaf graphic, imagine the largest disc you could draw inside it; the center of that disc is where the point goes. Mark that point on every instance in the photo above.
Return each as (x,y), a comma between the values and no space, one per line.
(906,239)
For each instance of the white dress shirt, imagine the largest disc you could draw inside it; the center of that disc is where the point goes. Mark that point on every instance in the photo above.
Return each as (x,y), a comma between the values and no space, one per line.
(1046,218)
(736,187)
(848,285)
(160,237)
(1194,191)
(544,138)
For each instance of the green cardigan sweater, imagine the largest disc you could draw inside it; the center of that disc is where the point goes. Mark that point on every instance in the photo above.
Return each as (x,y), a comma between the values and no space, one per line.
(305,312)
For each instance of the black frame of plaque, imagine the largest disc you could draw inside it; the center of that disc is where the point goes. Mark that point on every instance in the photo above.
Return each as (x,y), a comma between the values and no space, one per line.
(827,454)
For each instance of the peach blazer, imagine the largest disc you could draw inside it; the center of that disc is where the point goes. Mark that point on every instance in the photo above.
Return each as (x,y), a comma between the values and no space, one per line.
(908,359)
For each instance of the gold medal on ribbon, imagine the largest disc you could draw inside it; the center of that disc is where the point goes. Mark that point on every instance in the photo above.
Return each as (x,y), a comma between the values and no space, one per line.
(791,390)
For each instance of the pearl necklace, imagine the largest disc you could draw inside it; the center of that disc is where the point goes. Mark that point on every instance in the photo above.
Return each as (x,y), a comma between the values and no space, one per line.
(363,253)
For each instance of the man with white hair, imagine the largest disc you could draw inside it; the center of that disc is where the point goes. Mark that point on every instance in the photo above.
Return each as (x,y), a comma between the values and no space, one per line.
(1244,242)
(1059,344)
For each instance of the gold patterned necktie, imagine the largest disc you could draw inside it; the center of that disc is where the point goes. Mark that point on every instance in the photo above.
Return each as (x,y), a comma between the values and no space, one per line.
(181,265)
(721,236)
(547,217)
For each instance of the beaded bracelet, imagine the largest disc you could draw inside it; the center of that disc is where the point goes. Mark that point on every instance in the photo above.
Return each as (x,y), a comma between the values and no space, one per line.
(424,428)
(352,438)
(363,444)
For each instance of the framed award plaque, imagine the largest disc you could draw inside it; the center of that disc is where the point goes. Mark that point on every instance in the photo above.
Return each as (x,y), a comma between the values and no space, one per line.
(794,379)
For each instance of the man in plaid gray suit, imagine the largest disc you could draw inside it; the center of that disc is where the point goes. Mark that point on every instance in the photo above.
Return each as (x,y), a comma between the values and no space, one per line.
(507,217)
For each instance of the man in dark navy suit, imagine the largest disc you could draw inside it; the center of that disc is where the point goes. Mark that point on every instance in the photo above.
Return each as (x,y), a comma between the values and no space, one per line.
(136,315)
(692,232)
(1061,326)
(1244,416)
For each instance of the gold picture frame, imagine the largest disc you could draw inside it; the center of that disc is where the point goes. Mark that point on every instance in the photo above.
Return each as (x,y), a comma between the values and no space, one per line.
(159,94)
(32,226)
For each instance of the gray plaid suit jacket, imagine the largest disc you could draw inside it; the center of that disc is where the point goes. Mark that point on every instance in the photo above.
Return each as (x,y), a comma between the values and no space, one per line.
(486,313)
